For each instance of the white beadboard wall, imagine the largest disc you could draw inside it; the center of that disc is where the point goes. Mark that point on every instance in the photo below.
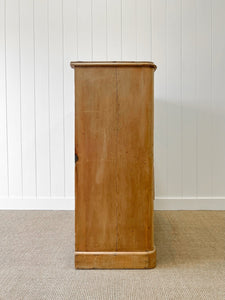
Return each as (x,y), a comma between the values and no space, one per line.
(39,38)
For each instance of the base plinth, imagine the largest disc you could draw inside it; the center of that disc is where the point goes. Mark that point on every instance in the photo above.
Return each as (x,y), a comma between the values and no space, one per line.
(115,260)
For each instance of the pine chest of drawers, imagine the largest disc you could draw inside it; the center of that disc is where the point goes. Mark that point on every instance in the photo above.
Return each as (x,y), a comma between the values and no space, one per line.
(114,179)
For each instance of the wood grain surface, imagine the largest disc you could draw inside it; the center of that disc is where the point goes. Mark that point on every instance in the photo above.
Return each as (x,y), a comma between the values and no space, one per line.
(114,171)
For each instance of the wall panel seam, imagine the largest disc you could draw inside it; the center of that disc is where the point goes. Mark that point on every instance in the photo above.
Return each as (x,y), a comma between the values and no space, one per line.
(35,114)
(20,97)
(6,100)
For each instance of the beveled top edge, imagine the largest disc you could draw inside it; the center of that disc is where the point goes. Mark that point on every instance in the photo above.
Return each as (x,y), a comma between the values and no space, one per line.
(149,64)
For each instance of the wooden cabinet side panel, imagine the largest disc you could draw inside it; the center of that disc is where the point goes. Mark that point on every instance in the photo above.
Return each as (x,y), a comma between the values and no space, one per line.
(114,171)
(135,159)
(95,210)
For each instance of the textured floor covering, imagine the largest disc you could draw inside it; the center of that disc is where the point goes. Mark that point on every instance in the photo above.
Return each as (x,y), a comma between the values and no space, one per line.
(36,259)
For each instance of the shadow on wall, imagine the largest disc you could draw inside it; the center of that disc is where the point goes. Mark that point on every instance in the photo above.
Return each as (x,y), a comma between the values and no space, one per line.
(189,148)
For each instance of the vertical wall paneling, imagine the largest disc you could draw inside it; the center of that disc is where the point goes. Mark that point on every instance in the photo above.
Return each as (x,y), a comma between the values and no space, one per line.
(28,97)
(38,39)
(99,29)
(174,97)
(218,98)
(3,106)
(56,97)
(41,62)
(204,99)
(129,29)
(189,113)
(13,97)
(159,12)
(144,30)
(70,53)
(114,29)
(84,29)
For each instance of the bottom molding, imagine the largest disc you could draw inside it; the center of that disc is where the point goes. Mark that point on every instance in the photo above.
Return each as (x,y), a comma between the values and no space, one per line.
(189,203)
(115,260)
(67,203)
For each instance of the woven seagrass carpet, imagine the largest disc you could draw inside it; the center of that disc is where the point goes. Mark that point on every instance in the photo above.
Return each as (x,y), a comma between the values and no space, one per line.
(37,253)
